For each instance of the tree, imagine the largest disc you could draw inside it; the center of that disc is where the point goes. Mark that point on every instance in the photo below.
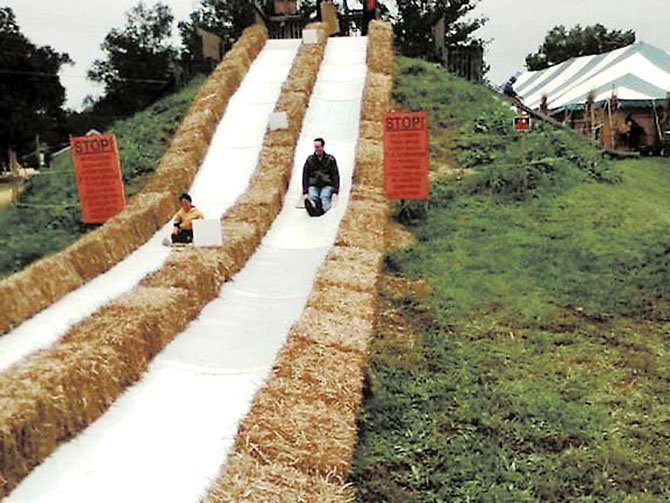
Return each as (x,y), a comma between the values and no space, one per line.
(225,18)
(31,95)
(416,18)
(140,63)
(561,44)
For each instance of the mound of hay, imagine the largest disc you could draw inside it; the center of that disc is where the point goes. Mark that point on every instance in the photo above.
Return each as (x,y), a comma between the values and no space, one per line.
(240,240)
(200,271)
(259,207)
(350,271)
(290,430)
(34,288)
(369,164)
(138,325)
(294,104)
(252,481)
(89,255)
(368,193)
(344,331)
(319,372)
(380,38)
(363,226)
(339,300)
(371,130)
(50,398)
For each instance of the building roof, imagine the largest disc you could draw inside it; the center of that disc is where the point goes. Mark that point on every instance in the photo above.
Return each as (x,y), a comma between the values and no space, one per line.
(638,74)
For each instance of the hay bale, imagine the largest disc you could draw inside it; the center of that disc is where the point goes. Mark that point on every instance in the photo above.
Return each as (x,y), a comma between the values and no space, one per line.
(90,255)
(194,141)
(290,430)
(51,397)
(381,58)
(164,207)
(375,104)
(302,75)
(344,331)
(368,193)
(31,290)
(280,138)
(202,120)
(138,325)
(369,163)
(294,104)
(240,240)
(175,171)
(352,268)
(336,299)
(213,100)
(363,225)
(200,271)
(252,481)
(20,451)
(319,372)
(53,277)
(259,205)
(371,130)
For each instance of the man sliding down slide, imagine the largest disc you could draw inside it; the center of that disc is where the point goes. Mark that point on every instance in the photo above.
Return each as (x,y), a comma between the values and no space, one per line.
(320,181)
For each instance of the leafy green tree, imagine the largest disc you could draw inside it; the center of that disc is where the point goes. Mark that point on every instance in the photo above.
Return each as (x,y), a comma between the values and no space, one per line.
(31,95)
(140,62)
(416,18)
(561,44)
(225,18)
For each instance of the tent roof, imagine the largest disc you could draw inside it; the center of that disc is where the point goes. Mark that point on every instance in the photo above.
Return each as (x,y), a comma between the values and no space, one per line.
(638,74)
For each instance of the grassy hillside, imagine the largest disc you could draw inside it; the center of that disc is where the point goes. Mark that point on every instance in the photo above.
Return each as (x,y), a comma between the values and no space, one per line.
(47,216)
(537,367)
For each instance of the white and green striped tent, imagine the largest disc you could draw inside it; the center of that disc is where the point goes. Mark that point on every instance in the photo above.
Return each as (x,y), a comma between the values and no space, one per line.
(638,74)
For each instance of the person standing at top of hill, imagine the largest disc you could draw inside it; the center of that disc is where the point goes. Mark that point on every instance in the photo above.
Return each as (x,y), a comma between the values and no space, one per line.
(320,180)
(182,231)
(369,13)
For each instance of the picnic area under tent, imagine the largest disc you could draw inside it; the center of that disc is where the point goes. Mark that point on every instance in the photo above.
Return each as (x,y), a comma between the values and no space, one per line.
(619,98)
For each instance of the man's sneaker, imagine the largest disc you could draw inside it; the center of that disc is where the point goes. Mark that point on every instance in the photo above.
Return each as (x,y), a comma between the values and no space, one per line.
(311,208)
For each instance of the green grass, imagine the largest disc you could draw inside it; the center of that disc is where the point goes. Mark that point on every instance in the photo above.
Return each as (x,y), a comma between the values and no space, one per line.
(47,216)
(541,369)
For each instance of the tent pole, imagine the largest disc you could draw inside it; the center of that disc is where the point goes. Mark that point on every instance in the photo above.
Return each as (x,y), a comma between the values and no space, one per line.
(657,122)
(609,113)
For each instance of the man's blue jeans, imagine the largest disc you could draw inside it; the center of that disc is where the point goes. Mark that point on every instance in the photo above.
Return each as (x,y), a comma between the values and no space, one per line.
(323,193)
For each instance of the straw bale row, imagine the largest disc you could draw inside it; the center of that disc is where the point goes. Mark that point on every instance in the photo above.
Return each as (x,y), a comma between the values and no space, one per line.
(298,440)
(29,291)
(381,58)
(252,481)
(51,397)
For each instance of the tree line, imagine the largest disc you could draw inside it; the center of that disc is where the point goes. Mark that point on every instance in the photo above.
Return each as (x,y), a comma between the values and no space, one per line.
(140,64)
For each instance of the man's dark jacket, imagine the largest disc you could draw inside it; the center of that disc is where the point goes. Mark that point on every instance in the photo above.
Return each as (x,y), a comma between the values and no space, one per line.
(320,173)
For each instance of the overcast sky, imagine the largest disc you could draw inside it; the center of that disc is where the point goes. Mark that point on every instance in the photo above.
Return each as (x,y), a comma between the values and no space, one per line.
(515,28)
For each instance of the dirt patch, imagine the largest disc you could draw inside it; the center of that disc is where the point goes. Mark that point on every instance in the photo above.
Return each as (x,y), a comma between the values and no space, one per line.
(450,172)
(6,193)
(397,236)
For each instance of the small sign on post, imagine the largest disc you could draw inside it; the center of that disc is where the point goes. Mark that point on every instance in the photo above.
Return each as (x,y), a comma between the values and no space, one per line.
(99,180)
(406,155)
(522,123)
